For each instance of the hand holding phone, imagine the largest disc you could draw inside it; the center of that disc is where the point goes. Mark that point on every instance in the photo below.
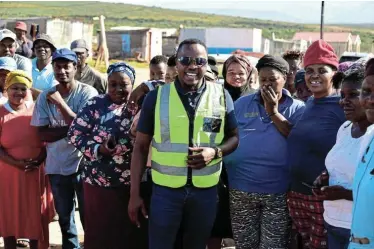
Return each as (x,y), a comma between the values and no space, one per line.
(310,186)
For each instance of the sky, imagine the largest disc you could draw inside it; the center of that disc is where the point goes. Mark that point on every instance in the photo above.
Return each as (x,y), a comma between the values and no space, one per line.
(337,12)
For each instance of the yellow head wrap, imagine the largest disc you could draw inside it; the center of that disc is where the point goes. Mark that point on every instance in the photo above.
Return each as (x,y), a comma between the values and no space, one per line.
(17,76)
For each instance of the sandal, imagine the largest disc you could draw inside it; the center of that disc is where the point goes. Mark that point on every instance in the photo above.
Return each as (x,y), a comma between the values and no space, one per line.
(23,243)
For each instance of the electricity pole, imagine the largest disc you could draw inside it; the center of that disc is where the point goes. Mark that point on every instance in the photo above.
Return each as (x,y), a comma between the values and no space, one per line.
(322,17)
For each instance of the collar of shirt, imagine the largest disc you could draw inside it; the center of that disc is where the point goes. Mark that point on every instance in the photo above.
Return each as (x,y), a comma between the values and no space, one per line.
(182,91)
(35,66)
(10,109)
(85,71)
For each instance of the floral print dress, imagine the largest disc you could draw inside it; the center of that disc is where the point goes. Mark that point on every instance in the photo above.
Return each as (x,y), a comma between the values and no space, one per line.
(94,123)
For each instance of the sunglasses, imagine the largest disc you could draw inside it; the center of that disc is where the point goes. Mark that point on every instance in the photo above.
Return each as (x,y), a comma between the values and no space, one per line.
(186,61)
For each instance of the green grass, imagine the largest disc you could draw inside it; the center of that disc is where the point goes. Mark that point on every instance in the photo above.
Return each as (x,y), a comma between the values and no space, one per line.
(101,67)
(118,14)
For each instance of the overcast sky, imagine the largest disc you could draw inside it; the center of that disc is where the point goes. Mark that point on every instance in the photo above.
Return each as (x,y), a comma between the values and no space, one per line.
(295,11)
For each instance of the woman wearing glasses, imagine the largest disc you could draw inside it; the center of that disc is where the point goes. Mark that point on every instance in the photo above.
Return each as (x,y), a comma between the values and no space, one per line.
(310,141)
(257,170)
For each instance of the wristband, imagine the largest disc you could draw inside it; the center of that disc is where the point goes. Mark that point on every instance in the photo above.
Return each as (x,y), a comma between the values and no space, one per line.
(274,113)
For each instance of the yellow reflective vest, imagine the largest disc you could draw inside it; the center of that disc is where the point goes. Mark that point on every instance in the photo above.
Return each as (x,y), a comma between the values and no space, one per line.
(171,136)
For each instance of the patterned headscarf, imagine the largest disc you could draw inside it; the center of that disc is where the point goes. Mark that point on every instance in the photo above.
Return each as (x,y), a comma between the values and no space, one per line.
(344,66)
(122,67)
(18,76)
(357,67)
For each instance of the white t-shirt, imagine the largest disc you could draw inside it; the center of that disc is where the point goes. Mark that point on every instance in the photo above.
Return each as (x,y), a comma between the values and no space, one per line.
(341,163)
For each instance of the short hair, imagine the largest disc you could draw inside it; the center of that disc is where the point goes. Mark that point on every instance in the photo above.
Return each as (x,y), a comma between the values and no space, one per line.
(171,61)
(356,77)
(158,59)
(190,42)
(293,55)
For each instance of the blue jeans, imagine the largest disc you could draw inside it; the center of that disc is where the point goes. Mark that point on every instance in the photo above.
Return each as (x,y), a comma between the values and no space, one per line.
(64,189)
(193,208)
(337,237)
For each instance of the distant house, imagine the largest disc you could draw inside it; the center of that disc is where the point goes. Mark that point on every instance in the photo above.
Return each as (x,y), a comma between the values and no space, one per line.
(63,32)
(277,46)
(139,42)
(341,42)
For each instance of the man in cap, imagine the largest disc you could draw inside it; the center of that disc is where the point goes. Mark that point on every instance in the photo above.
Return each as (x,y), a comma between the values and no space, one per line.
(42,71)
(24,44)
(85,73)
(8,46)
(302,91)
(54,111)
(7,65)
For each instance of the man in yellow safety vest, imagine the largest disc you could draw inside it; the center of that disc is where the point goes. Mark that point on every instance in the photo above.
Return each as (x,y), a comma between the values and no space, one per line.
(191,125)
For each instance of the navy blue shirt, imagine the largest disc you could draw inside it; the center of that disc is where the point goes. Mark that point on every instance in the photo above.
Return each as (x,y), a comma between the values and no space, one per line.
(259,164)
(189,100)
(311,139)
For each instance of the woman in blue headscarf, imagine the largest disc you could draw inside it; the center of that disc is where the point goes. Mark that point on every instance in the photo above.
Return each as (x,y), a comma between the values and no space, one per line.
(101,131)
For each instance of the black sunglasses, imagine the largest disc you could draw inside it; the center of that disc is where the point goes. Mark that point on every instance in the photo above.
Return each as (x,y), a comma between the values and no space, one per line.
(186,61)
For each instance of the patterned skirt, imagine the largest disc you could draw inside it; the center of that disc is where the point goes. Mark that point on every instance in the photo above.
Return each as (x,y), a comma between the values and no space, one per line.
(307,215)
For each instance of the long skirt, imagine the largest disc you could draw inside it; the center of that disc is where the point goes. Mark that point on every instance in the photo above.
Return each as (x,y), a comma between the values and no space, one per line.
(26,204)
(107,221)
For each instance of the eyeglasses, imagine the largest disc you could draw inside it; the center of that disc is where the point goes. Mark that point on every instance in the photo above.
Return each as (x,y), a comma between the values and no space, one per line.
(186,61)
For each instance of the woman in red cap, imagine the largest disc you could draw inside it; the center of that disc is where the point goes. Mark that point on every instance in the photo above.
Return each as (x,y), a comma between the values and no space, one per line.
(309,142)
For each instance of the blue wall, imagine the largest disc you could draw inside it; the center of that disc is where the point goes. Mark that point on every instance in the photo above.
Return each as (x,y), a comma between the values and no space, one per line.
(212,50)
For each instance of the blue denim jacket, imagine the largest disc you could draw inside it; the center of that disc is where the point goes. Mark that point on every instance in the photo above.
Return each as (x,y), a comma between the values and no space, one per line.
(363,200)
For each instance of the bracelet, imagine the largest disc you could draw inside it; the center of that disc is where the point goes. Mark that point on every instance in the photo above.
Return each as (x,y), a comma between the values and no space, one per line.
(274,113)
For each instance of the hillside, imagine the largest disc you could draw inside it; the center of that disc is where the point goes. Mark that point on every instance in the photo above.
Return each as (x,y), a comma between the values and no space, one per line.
(118,14)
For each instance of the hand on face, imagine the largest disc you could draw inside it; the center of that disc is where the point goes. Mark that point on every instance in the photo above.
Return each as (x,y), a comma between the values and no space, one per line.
(272,82)
(271,99)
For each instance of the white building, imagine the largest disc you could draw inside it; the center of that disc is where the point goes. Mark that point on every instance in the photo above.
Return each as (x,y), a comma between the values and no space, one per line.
(225,40)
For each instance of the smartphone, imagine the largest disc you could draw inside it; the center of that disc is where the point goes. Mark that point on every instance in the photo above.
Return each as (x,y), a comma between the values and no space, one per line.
(112,142)
(310,186)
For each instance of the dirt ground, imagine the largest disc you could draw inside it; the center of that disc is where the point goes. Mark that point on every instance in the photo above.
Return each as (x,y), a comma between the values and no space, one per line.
(55,238)
(142,74)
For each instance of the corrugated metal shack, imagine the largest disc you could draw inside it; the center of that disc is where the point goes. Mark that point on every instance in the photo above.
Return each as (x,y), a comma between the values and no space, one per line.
(133,42)
(63,32)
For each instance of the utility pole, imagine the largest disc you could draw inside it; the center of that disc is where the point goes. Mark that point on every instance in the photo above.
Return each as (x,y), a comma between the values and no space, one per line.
(322,17)
(103,54)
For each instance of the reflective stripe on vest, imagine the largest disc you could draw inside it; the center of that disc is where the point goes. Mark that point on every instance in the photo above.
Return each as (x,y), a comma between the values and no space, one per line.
(169,158)
(178,171)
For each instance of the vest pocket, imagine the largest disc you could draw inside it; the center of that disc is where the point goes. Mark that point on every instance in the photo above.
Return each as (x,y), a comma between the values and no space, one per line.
(212,125)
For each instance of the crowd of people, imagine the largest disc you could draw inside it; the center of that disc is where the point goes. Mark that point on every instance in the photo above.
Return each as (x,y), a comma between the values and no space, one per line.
(278,156)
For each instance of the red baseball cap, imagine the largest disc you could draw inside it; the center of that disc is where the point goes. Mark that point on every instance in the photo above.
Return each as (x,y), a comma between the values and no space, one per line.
(21,26)
(320,52)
